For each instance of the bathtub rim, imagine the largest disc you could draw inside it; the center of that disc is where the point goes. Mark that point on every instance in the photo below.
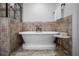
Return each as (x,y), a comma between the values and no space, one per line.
(42,32)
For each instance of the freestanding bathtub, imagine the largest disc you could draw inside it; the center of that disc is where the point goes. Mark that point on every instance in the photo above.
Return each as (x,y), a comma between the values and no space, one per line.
(38,40)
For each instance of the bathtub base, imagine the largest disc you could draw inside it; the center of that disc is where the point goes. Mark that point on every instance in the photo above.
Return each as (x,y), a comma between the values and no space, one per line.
(39,47)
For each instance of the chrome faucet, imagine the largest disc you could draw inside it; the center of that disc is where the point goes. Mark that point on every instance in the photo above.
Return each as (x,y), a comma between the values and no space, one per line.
(38,28)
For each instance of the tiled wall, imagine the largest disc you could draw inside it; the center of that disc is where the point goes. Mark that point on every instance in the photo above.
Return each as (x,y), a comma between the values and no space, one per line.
(8,35)
(45,26)
(4,36)
(15,39)
(65,25)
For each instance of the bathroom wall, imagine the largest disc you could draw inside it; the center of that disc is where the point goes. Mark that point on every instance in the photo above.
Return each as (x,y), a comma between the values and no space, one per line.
(38,12)
(4,36)
(9,38)
(65,25)
(68,10)
(45,26)
(75,34)
(15,38)
(2,9)
(58,12)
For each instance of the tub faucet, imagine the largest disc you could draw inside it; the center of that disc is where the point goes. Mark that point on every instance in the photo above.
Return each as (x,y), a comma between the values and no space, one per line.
(38,28)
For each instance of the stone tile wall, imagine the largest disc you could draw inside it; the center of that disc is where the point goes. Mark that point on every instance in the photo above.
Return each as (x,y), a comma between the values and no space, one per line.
(65,25)
(15,39)
(9,38)
(45,26)
(4,36)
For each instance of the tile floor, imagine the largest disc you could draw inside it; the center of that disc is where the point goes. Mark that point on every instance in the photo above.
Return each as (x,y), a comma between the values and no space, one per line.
(22,52)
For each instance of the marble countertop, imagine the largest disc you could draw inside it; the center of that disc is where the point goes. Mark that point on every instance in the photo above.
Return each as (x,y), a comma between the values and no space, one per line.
(62,36)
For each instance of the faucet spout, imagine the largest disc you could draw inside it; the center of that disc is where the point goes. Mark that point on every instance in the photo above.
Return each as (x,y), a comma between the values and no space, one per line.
(38,28)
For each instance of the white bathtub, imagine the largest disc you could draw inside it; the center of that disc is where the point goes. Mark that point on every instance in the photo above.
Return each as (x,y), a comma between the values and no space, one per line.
(38,40)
